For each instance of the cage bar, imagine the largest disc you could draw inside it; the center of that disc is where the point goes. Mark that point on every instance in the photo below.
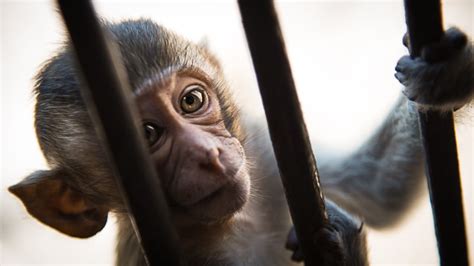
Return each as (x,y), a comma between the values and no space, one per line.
(424,21)
(286,125)
(107,95)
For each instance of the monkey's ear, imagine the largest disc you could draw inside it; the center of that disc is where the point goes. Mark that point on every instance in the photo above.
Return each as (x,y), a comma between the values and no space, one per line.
(53,202)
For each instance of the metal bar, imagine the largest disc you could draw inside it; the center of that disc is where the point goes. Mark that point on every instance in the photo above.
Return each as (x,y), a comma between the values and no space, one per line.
(285,121)
(107,96)
(424,22)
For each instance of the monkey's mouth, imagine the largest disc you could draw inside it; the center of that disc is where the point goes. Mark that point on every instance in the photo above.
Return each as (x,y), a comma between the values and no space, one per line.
(222,203)
(211,197)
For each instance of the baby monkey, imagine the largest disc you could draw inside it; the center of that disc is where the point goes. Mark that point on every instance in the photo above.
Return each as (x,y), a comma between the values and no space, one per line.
(218,174)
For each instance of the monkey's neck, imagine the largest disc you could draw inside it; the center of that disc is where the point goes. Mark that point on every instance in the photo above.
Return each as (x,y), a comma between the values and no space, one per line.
(242,241)
(206,245)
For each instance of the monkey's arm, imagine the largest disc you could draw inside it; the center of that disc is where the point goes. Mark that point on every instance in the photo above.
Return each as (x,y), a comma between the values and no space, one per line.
(379,180)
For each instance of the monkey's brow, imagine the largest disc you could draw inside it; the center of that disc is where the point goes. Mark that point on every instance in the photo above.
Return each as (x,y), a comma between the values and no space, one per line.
(161,78)
(199,74)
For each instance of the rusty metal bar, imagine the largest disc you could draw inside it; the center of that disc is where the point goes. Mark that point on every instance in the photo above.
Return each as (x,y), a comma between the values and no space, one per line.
(285,121)
(424,23)
(108,99)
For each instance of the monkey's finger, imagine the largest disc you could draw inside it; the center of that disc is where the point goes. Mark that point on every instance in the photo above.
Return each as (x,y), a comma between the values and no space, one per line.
(455,38)
(406,40)
(453,41)
(292,242)
(401,78)
(297,256)
(405,63)
(411,96)
(407,68)
(361,227)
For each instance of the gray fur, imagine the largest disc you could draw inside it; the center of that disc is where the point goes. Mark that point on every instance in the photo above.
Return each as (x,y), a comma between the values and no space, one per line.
(377,182)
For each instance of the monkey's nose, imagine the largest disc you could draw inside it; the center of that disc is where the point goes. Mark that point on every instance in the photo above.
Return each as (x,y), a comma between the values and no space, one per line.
(213,161)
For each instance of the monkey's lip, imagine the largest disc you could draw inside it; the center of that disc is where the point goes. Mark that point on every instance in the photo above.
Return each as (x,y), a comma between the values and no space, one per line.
(211,196)
(203,197)
(222,203)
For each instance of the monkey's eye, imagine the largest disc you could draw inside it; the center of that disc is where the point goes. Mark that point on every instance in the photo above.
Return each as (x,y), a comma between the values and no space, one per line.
(193,100)
(152,133)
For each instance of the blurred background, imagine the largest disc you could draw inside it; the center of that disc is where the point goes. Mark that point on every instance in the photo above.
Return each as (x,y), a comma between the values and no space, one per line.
(342,53)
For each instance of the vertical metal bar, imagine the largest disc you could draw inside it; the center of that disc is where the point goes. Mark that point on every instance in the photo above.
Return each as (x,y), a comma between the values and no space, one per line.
(424,22)
(285,121)
(107,96)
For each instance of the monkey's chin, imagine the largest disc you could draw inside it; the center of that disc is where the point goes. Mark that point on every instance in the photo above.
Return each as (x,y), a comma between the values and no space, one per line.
(222,205)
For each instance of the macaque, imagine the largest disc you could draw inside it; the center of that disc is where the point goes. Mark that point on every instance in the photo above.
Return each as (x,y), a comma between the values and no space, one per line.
(218,173)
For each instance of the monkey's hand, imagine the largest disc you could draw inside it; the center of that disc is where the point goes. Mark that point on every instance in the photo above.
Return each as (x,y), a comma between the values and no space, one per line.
(443,77)
(347,244)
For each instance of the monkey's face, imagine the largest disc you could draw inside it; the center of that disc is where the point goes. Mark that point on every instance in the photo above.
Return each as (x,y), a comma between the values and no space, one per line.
(189,121)
(201,165)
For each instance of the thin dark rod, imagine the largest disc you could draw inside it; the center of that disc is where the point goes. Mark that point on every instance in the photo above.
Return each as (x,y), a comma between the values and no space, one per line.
(286,125)
(108,98)
(424,22)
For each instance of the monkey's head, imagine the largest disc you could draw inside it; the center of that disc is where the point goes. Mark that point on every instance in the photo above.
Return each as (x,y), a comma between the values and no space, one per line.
(189,121)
